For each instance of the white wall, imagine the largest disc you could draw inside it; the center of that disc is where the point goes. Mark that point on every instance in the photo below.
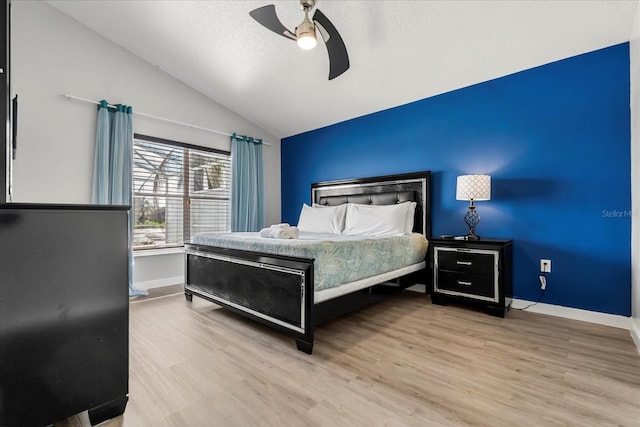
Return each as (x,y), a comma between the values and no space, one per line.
(54,54)
(634,47)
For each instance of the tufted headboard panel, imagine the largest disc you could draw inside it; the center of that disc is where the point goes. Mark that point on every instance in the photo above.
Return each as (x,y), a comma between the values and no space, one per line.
(382,190)
(390,198)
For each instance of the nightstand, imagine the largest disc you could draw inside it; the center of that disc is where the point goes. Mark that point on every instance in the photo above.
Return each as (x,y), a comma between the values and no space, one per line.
(478,272)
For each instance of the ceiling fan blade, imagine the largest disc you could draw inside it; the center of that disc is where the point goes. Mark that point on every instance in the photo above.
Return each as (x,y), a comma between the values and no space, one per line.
(266,15)
(338,57)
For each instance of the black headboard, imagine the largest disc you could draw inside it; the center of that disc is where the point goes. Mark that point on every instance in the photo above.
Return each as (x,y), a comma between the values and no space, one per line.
(381,190)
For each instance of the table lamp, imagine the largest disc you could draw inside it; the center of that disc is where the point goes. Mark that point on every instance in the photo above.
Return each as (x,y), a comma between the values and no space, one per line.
(473,188)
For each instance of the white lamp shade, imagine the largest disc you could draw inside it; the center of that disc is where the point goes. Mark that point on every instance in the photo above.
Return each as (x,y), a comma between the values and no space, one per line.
(473,187)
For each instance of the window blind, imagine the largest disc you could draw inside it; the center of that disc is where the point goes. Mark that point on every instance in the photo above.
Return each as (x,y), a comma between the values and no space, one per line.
(179,190)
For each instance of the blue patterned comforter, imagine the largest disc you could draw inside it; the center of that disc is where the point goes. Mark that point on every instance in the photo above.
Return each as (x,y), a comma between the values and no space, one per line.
(339,259)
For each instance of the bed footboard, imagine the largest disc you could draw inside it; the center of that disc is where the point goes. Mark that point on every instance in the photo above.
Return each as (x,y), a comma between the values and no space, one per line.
(274,290)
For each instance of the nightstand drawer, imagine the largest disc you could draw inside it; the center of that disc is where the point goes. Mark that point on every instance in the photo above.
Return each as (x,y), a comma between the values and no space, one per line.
(465,262)
(466,284)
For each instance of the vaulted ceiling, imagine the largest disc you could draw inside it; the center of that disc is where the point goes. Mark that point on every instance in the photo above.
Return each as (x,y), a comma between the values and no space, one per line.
(400,51)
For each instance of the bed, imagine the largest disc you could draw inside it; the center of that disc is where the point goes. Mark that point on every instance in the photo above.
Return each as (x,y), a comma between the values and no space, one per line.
(290,293)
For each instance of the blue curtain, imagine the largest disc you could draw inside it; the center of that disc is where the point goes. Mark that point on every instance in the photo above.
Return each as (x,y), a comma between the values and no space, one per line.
(247,184)
(112,168)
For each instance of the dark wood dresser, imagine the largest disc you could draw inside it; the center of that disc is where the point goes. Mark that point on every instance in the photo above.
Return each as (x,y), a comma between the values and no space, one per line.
(64,313)
(64,296)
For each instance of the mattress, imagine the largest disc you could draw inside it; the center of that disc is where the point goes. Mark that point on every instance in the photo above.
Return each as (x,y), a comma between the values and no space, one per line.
(338,259)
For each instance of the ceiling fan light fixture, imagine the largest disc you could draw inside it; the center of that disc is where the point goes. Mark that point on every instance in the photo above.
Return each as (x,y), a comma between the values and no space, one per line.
(306,34)
(307,41)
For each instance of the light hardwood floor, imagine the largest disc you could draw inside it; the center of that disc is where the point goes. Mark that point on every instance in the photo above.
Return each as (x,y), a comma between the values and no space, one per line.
(402,362)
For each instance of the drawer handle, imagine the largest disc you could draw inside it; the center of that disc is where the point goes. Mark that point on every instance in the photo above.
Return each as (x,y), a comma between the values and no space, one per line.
(460,282)
(463,262)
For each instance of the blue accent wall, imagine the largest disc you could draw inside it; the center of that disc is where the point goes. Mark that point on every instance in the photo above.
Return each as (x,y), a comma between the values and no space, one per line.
(556,140)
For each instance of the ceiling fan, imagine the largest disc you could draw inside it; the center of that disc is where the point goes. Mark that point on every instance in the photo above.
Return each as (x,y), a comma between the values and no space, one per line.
(305,33)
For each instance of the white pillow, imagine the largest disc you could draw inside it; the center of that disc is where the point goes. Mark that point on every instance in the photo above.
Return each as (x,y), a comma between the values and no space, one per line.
(411,214)
(328,219)
(372,220)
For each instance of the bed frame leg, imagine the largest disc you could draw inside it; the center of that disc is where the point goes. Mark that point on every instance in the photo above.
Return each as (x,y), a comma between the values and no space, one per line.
(188,296)
(304,346)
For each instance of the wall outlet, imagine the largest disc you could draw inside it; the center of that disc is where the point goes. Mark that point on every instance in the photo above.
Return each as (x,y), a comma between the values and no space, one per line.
(545,266)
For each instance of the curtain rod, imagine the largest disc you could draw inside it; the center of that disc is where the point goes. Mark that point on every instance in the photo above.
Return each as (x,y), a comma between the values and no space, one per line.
(77,98)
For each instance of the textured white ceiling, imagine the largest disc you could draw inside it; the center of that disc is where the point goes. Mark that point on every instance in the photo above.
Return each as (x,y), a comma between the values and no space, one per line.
(400,51)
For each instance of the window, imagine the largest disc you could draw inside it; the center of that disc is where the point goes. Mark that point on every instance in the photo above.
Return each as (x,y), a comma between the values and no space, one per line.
(167,212)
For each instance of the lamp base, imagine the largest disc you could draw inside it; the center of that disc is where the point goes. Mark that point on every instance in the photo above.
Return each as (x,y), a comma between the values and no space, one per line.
(472,218)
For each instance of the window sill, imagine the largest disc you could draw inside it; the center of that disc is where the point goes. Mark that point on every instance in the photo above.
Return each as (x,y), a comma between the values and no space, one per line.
(162,251)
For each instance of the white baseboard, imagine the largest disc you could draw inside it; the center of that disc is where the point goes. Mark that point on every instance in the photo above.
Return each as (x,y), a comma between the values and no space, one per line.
(614,320)
(165,281)
(635,331)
